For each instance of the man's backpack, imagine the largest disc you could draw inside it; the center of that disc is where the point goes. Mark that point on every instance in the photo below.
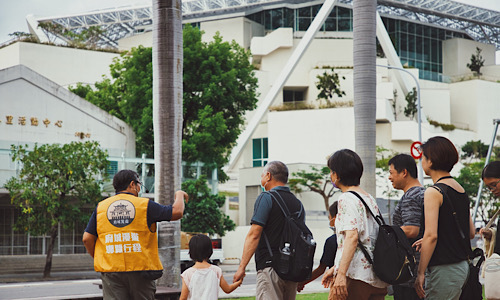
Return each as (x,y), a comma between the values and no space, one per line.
(393,257)
(296,247)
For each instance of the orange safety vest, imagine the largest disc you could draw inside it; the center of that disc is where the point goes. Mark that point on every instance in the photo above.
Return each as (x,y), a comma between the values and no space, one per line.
(125,243)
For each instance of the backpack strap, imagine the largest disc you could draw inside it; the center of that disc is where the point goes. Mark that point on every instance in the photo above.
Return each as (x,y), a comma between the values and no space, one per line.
(380,221)
(453,211)
(455,217)
(284,210)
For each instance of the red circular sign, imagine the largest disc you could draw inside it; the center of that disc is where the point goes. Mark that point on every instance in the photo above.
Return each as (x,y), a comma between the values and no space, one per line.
(415,150)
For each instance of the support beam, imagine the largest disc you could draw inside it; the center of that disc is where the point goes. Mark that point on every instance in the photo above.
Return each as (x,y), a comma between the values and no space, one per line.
(287,70)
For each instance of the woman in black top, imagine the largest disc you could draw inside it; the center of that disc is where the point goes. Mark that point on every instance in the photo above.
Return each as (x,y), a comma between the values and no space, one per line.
(443,259)
(491,178)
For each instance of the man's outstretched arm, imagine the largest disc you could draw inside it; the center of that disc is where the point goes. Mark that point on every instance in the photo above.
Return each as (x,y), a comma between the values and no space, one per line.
(251,243)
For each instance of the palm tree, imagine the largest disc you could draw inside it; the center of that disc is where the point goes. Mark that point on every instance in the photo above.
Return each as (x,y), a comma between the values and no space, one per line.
(364,55)
(167,126)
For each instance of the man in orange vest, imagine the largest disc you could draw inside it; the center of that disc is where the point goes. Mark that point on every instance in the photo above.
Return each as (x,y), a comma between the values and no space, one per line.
(121,237)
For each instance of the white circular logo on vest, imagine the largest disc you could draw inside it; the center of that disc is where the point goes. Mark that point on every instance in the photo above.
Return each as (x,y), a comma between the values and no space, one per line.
(121,213)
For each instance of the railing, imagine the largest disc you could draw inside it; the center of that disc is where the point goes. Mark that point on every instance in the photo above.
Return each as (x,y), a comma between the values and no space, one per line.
(142,165)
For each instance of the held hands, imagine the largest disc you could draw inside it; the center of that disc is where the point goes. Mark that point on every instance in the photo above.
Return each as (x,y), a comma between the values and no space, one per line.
(300,286)
(239,275)
(327,279)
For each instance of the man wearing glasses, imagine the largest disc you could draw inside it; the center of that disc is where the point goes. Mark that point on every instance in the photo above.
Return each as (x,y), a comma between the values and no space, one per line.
(121,237)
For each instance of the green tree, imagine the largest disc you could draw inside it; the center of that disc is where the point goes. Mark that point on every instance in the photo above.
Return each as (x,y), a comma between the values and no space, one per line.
(411,104)
(219,86)
(470,178)
(476,62)
(474,149)
(202,213)
(54,184)
(328,85)
(317,180)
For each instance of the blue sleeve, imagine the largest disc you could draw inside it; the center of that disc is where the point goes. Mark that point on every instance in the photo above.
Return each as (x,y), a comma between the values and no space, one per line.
(92,224)
(158,212)
(262,209)
(329,251)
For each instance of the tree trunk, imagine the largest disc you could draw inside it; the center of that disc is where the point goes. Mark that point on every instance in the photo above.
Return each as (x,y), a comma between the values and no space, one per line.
(364,55)
(50,251)
(167,126)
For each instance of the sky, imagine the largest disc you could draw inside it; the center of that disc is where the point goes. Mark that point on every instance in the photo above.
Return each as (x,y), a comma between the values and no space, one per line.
(13,13)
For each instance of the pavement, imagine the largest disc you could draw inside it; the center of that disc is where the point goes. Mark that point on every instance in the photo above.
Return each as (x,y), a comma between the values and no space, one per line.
(27,281)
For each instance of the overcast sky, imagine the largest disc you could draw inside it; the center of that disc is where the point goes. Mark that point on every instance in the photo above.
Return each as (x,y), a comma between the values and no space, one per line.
(13,12)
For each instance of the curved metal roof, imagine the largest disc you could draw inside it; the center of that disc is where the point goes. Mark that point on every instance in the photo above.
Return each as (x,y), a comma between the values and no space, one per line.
(481,24)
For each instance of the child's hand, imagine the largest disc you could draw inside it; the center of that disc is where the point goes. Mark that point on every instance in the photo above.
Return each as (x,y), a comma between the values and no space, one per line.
(239,282)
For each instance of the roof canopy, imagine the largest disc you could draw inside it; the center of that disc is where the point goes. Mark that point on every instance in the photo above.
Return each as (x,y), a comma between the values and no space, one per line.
(481,24)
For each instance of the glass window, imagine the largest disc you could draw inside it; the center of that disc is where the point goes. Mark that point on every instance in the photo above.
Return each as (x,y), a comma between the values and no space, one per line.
(343,12)
(305,12)
(331,24)
(277,18)
(293,96)
(304,24)
(345,25)
(260,152)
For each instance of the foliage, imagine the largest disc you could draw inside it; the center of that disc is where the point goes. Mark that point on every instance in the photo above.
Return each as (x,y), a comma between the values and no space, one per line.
(54,184)
(23,36)
(219,86)
(316,180)
(85,38)
(292,106)
(476,62)
(445,127)
(202,212)
(470,178)
(474,149)
(393,102)
(328,85)
(411,104)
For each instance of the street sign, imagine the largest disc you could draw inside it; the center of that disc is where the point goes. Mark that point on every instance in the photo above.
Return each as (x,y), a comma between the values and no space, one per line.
(415,150)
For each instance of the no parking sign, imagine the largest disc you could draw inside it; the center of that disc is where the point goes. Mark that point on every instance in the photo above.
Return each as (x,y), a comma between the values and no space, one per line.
(415,150)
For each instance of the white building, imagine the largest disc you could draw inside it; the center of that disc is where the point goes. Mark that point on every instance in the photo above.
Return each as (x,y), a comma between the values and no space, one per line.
(427,39)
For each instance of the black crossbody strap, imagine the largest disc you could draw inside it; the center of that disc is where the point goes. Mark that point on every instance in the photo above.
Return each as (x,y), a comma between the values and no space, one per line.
(377,218)
(380,222)
(453,211)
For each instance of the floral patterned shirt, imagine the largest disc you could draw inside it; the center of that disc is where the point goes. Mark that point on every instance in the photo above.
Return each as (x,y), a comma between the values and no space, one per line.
(352,215)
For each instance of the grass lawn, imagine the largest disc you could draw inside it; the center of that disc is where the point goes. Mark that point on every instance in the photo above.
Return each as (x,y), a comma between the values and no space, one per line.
(319,296)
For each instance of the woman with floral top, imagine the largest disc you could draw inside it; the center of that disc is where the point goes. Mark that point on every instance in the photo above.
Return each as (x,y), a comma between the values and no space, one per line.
(352,276)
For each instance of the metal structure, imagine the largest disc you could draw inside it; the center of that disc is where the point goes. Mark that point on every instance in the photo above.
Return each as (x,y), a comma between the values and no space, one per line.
(496,122)
(481,24)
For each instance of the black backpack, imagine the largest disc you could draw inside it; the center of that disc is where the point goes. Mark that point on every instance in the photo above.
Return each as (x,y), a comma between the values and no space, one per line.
(393,257)
(295,262)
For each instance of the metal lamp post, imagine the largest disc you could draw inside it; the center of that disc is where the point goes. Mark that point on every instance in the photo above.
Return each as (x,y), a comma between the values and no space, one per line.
(419,116)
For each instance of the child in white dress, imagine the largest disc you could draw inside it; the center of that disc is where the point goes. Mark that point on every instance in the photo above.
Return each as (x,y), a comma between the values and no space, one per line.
(202,280)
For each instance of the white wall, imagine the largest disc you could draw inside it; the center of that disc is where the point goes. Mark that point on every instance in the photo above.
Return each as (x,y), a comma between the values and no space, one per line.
(65,66)
(309,136)
(475,103)
(26,94)
(457,53)
(239,29)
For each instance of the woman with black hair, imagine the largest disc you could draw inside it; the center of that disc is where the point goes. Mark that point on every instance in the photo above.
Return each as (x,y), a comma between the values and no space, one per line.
(352,276)
(443,249)
(491,179)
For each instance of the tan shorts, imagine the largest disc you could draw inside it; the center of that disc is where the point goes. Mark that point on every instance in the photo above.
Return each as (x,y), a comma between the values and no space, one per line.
(271,287)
